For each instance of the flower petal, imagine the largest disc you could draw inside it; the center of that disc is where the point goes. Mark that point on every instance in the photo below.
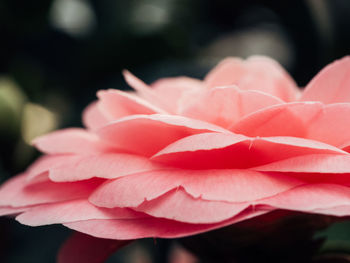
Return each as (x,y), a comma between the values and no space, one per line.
(331,125)
(71,140)
(147,134)
(93,118)
(115,104)
(218,150)
(255,73)
(313,163)
(172,90)
(230,186)
(226,105)
(314,198)
(72,211)
(331,84)
(16,192)
(146,91)
(178,205)
(8,210)
(124,229)
(70,168)
(290,119)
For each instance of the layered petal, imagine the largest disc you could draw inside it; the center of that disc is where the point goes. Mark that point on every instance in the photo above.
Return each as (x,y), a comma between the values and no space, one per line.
(223,106)
(146,92)
(330,85)
(327,199)
(290,119)
(313,163)
(255,73)
(218,150)
(8,210)
(173,90)
(124,229)
(115,104)
(331,125)
(147,134)
(72,211)
(230,186)
(70,168)
(178,205)
(312,120)
(93,118)
(71,140)
(17,193)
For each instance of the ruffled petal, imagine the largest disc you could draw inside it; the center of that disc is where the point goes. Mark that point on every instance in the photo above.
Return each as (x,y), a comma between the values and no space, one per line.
(124,229)
(17,193)
(172,90)
(71,140)
(8,210)
(230,186)
(72,211)
(331,125)
(313,163)
(327,199)
(290,119)
(93,118)
(178,205)
(146,91)
(223,106)
(115,104)
(255,73)
(70,168)
(218,150)
(331,84)
(147,134)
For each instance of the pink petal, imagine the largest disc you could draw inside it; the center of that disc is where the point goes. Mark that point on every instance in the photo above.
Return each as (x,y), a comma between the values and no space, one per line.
(71,140)
(68,168)
(226,105)
(147,134)
(178,205)
(84,248)
(310,120)
(255,73)
(343,210)
(313,163)
(93,118)
(172,90)
(331,125)
(37,172)
(115,104)
(16,192)
(318,178)
(314,198)
(230,186)
(331,84)
(8,210)
(146,91)
(72,211)
(290,119)
(152,227)
(218,150)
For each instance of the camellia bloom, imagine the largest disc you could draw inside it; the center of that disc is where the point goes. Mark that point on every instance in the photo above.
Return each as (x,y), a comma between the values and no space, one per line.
(184,156)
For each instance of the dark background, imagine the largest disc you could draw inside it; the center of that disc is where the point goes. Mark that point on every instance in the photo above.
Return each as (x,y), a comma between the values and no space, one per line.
(55,55)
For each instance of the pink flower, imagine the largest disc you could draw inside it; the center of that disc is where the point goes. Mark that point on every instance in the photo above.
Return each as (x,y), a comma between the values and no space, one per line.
(184,156)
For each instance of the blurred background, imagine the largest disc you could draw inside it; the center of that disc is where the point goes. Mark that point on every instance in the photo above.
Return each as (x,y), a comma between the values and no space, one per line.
(55,55)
